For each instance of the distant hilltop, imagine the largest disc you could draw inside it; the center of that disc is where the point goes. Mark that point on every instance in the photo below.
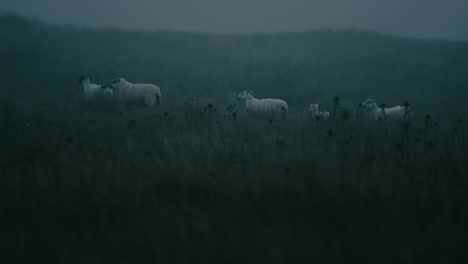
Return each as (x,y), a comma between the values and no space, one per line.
(15,21)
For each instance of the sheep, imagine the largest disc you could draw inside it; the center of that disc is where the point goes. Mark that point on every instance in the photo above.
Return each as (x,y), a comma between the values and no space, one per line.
(317,114)
(381,113)
(93,91)
(125,91)
(263,106)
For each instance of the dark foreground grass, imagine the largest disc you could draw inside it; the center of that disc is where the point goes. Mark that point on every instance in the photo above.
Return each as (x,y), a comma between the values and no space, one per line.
(194,183)
(191,183)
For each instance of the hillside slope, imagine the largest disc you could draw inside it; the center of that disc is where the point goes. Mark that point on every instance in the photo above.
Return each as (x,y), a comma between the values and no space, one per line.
(40,59)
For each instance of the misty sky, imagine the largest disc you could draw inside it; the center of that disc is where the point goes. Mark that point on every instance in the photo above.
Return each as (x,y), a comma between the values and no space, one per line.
(447,19)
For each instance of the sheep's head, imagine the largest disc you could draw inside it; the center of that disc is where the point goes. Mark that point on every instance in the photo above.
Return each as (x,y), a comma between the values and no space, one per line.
(369,103)
(314,107)
(116,82)
(83,77)
(244,94)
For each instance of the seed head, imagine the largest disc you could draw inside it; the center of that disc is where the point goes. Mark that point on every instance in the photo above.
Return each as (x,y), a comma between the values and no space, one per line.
(428,120)
(280,143)
(430,144)
(345,115)
(69,139)
(398,146)
(336,100)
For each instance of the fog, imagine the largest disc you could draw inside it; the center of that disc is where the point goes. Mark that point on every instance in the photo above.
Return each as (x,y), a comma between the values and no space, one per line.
(196,170)
(430,19)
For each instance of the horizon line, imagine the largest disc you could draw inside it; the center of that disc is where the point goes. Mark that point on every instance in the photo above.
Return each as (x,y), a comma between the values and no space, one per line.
(247,34)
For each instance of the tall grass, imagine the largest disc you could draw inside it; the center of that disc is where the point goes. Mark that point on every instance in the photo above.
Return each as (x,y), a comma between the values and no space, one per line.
(193,182)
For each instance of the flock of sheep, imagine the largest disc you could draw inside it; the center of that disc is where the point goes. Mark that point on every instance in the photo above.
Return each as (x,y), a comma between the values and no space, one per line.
(124,91)
(150,95)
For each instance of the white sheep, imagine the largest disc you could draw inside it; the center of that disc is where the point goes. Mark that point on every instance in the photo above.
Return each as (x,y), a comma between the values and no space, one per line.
(263,106)
(93,91)
(382,113)
(125,91)
(317,114)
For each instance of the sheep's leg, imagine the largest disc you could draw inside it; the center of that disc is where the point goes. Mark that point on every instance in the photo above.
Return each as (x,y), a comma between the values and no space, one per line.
(158,99)
(150,101)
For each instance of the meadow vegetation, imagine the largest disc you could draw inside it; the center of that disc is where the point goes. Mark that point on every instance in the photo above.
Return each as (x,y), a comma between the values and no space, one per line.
(198,181)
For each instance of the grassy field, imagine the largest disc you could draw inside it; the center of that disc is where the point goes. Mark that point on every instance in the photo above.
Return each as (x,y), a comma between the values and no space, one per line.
(193,182)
